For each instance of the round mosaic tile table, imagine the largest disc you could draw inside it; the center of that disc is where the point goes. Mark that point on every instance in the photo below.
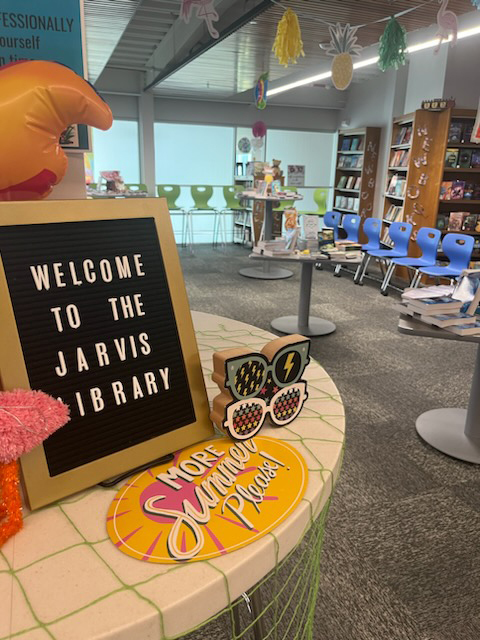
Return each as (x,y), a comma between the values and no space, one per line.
(62,578)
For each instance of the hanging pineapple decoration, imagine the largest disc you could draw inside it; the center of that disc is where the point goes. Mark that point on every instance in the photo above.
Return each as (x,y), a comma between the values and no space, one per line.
(343,45)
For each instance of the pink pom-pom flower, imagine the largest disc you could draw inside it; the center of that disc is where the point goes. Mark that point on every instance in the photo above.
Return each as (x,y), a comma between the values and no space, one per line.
(27,418)
(259,129)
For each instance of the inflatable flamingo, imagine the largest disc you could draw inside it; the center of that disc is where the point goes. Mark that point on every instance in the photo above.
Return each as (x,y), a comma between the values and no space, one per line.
(447,24)
(27,418)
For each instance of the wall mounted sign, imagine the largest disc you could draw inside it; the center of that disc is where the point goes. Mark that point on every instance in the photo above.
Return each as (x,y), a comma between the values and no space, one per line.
(94,311)
(216,497)
(46,30)
(296,175)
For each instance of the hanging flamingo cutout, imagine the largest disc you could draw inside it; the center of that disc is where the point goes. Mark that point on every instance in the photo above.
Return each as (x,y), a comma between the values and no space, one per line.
(447,25)
(205,11)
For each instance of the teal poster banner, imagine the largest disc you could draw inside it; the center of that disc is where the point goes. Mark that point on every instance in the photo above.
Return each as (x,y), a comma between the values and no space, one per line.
(45,30)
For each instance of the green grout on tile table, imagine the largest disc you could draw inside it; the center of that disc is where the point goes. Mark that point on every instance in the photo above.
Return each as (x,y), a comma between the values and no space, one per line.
(62,577)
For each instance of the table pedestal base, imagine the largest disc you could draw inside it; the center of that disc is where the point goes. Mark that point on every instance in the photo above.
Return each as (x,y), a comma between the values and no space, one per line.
(444,429)
(315,326)
(269,273)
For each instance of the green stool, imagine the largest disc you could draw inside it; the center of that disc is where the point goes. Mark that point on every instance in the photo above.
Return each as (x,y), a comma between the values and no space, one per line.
(201,195)
(171,193)
(232,205)
(320,197)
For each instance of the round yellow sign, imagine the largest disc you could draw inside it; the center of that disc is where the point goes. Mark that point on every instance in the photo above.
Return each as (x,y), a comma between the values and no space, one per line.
(215,497)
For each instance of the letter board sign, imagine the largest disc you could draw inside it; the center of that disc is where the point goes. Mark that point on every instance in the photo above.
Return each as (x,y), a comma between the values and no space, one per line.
(95,312)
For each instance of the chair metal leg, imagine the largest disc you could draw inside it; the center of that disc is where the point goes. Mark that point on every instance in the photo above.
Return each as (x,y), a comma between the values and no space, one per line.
(215,229)
(337,270)
(359,269)
(387,278)
(364,270)
(415,279)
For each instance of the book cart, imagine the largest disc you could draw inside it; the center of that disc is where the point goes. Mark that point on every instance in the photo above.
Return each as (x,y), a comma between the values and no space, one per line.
(356,171)
(420,185)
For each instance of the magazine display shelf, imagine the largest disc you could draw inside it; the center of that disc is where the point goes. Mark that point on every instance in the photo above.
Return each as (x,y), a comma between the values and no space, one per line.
(358,165)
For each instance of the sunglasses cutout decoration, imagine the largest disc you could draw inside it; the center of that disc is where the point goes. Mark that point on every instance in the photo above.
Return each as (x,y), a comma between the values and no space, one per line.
(255,386)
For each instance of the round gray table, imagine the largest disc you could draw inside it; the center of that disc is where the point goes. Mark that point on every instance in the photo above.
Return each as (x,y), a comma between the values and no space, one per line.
(267,272)
(303,323)
(453,431)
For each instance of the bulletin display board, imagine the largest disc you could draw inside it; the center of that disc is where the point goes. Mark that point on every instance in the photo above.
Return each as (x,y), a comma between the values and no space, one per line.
(95,312)
(47,30)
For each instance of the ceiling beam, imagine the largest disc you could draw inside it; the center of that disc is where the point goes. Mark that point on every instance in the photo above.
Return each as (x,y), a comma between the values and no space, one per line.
(185,42)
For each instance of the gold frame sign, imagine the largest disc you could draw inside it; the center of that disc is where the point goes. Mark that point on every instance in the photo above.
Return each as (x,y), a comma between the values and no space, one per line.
(94,311)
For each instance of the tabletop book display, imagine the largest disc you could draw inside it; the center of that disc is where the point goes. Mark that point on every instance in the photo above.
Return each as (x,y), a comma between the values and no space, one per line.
(453,308)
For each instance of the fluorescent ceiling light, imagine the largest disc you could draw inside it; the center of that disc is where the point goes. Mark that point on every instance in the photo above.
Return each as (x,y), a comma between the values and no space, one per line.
(428,44)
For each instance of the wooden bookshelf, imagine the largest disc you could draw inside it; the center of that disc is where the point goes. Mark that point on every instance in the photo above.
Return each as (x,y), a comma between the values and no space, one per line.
(428,143)
(361,168)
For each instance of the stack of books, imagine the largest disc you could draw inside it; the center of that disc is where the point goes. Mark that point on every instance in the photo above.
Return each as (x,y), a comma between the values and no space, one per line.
(345,250)
(275,247)
(436,306)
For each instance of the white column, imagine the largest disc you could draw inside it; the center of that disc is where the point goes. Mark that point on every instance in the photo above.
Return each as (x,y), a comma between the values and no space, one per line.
(147,147)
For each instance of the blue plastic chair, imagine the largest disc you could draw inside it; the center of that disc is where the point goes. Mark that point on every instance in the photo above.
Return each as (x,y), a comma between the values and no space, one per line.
(351,226)
(331,220)
(427,241)
(458,249)
(399,233)
(372,228)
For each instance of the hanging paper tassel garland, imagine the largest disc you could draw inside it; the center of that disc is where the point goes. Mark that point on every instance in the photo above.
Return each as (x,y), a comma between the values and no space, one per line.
(447,25)
(260,91)
(259,129)
(343,45)
(393,46)
(205,11)
(288,45)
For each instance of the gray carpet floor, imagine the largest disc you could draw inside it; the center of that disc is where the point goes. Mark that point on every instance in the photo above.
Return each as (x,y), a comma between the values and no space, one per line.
(401,558)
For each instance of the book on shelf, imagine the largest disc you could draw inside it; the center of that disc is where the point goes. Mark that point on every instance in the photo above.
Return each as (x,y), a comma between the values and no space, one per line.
(403,135)
(458,187)
(342,182)
(341,161)
(465,158)
(350,182)
(446,190)
(451,158)
(455,133)
(356,202)
(346,144)
(468,191)
(359,163)
(394,213)
(385,238)
(349,204)
(455,220)
(358,182)
(442,221)
(396,186)
(470,222)
(475,159)
(360,143)
(467,131)
(400,158)
(355,143)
